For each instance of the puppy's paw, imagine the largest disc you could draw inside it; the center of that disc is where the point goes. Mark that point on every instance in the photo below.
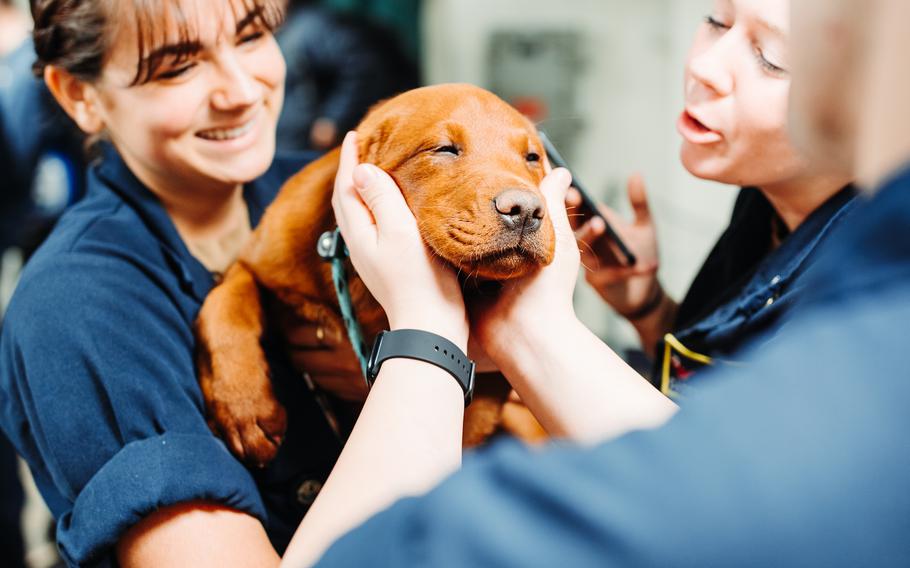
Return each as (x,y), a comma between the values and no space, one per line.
(241,405)
(252,429)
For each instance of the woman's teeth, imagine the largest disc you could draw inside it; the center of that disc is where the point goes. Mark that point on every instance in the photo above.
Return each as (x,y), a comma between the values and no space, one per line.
(221,134)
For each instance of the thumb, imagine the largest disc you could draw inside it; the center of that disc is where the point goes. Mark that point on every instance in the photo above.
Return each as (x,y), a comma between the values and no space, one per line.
(351,214)
(382,197)
(638,198)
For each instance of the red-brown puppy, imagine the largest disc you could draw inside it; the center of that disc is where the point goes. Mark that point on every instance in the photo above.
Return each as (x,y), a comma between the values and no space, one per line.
(469,166)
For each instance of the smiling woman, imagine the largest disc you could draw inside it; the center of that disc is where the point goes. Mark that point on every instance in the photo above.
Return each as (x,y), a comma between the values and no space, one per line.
(183,96)
(207,76)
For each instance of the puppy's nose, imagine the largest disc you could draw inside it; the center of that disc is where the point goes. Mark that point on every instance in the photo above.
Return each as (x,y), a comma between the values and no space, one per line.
(519,210)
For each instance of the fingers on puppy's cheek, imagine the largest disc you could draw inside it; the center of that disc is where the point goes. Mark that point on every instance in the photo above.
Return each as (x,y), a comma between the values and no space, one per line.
(363,176)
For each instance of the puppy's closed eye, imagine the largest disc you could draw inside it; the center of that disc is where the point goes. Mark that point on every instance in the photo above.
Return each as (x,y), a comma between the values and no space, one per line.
(448,149)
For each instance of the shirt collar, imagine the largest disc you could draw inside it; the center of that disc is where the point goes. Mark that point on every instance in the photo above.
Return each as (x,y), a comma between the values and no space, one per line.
(194,276)
(777,272)
(803,241)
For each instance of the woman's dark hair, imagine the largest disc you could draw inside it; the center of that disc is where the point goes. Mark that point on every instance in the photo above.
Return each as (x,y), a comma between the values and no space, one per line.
(75,35)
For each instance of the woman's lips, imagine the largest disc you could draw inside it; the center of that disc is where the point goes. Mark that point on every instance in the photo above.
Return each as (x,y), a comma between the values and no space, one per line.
(223,134)
(235,132)
(696,132)
(235,137)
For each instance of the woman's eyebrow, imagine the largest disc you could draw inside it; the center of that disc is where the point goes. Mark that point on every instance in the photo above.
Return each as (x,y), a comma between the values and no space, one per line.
(178,50)
(151,62)
(251,17)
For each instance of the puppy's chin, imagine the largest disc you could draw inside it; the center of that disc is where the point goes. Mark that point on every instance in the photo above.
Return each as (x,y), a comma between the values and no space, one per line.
(505,264)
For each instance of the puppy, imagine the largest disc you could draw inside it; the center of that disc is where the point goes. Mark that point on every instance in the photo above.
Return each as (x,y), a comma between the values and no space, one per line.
(469,166)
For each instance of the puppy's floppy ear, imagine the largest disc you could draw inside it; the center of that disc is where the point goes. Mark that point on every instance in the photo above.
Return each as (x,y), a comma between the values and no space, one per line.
(373,141)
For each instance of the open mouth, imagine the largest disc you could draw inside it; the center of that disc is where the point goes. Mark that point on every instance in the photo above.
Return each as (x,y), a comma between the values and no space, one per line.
(225,134)
(696,131)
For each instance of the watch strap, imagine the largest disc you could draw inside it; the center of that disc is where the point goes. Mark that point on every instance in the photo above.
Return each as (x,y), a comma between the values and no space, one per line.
(423,346)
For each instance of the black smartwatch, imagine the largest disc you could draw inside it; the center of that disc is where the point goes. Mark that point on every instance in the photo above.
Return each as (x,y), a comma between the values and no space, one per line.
(423,346)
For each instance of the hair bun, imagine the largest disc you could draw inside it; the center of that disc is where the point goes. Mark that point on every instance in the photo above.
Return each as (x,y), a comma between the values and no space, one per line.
(70,34)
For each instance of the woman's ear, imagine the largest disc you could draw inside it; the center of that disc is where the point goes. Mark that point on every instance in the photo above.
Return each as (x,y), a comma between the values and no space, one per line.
(78,98)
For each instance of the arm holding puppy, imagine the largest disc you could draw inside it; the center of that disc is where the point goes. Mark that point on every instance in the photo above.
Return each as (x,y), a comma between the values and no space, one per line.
(408,436)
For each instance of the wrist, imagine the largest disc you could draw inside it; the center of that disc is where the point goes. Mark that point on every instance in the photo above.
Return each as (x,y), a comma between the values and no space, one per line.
(413,374)
(529,338)
(534,358)
(427,347)
(652,327)
(651,305)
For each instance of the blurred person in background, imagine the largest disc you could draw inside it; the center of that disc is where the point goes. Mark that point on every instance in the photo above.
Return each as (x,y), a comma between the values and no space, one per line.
(734,129)
(14,29)
(46,171)
(14,26)
(339,65)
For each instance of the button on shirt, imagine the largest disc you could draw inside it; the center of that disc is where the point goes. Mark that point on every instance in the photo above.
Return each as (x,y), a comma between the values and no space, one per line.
(798,458)
(98,379)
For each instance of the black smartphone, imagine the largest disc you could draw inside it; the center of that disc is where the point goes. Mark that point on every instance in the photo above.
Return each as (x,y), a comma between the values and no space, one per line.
(610,242)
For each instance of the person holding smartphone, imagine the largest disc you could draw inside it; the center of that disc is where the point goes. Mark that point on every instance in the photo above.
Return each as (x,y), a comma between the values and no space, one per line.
(734,130)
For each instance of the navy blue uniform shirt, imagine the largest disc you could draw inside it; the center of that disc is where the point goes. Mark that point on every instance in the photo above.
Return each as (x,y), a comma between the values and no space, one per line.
(98,379)
(747,285)
(799,458)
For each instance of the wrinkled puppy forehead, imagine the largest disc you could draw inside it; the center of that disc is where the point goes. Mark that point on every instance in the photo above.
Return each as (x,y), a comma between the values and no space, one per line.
(399,126)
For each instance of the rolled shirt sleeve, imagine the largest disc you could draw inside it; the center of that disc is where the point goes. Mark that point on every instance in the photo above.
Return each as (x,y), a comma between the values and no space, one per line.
(147,475)
(104,403)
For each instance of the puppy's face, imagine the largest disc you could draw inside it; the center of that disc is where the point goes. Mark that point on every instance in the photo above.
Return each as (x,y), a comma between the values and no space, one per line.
(469,166)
